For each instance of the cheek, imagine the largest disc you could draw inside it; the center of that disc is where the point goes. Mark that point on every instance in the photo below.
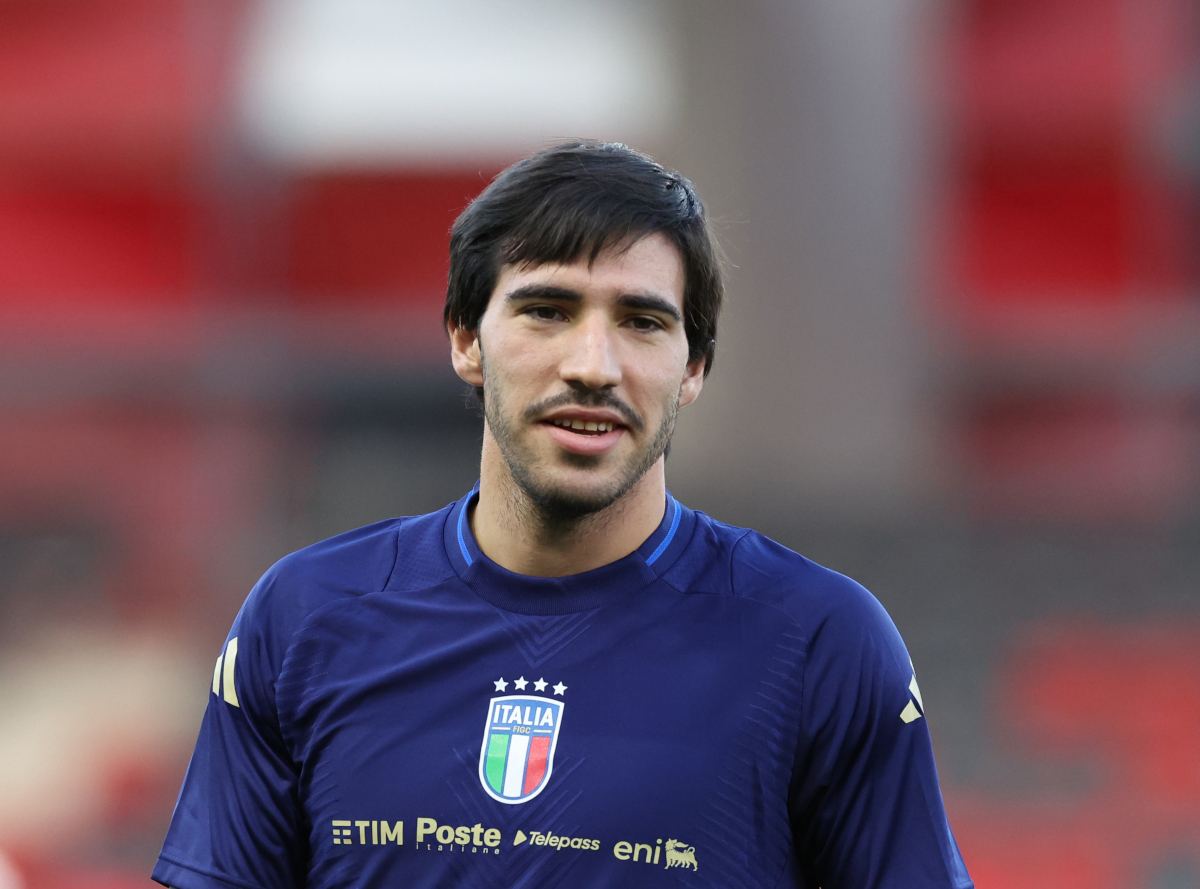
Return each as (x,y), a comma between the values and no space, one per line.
(659,390)
(676,371)
(515,366)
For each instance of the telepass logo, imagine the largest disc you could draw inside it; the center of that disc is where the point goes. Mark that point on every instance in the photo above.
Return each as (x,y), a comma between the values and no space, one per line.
(517,756)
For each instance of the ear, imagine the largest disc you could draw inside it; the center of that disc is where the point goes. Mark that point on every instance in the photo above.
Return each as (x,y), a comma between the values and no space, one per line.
(693,382)
(465,354)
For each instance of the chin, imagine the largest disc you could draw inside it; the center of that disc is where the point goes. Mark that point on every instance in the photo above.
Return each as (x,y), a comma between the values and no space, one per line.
(564,498)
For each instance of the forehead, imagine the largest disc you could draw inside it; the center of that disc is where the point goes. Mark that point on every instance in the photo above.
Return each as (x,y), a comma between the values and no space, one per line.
(650,265)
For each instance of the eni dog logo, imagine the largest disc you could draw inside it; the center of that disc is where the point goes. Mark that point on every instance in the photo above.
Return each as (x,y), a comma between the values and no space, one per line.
(679,855)
(517,757)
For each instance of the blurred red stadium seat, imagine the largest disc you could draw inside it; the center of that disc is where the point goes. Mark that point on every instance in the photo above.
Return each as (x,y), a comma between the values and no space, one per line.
(1124,701)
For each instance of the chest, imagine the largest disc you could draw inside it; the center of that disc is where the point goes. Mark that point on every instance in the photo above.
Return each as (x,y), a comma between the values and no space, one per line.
(609,749)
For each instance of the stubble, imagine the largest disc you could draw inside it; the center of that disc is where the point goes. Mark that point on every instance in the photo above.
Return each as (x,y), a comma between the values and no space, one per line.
(553,509)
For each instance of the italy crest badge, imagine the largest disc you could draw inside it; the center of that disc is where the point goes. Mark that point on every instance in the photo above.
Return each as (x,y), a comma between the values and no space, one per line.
(519,738)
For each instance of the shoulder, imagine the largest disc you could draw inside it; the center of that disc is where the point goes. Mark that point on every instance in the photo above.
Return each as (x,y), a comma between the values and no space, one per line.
(349,565)
(826,607)
(768,571)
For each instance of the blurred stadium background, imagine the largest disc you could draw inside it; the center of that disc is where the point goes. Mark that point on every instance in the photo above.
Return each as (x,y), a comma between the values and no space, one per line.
(960,361)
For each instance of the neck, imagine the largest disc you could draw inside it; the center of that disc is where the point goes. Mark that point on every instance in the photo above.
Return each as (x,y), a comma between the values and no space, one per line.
(515,533)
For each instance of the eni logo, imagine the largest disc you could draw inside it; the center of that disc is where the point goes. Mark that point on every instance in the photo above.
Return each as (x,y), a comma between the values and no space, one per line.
(680,856)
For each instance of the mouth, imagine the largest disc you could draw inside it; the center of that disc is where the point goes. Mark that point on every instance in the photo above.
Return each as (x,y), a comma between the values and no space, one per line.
(583,435)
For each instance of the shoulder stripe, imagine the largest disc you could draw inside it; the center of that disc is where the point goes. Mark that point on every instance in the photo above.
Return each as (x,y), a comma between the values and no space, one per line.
(230,692)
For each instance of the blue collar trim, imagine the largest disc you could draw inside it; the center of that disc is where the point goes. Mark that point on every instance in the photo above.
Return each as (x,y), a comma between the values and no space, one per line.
(666,541)
(462,544)
(573,593)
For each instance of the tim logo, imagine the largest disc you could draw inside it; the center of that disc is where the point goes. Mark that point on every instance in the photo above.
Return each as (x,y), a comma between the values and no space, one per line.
(518,746)
(679,855)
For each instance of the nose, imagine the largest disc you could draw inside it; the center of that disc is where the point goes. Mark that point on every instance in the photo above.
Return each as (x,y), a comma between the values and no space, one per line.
(591,358)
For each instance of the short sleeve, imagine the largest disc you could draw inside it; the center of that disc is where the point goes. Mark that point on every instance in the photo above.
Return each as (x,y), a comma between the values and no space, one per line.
(866,807)
(237,822)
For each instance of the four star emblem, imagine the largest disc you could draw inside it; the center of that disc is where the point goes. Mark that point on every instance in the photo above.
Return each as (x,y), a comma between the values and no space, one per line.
(520,683)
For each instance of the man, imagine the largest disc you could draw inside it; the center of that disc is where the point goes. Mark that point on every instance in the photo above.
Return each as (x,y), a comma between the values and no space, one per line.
(566,678)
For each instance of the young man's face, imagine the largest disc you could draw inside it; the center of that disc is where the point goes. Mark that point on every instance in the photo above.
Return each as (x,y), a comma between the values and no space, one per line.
(583,370)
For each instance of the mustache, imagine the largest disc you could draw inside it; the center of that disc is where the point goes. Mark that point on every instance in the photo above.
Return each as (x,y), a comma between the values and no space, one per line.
(586,398)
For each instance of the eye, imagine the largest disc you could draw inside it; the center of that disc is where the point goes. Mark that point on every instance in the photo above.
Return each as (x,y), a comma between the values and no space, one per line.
(645,323)
(545,313)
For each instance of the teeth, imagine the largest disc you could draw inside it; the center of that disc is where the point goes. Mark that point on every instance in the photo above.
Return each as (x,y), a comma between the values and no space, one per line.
(585,426)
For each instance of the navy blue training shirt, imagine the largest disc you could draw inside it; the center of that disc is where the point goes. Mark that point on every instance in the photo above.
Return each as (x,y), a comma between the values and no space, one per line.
(393,709)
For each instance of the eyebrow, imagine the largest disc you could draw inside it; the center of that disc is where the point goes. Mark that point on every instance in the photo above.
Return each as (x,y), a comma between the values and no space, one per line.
(644,302)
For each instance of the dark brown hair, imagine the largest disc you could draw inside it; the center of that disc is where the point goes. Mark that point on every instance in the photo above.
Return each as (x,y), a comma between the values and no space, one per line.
(578,199)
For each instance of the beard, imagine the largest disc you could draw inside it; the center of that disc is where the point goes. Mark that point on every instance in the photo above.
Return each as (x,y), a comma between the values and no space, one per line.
(557,504)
